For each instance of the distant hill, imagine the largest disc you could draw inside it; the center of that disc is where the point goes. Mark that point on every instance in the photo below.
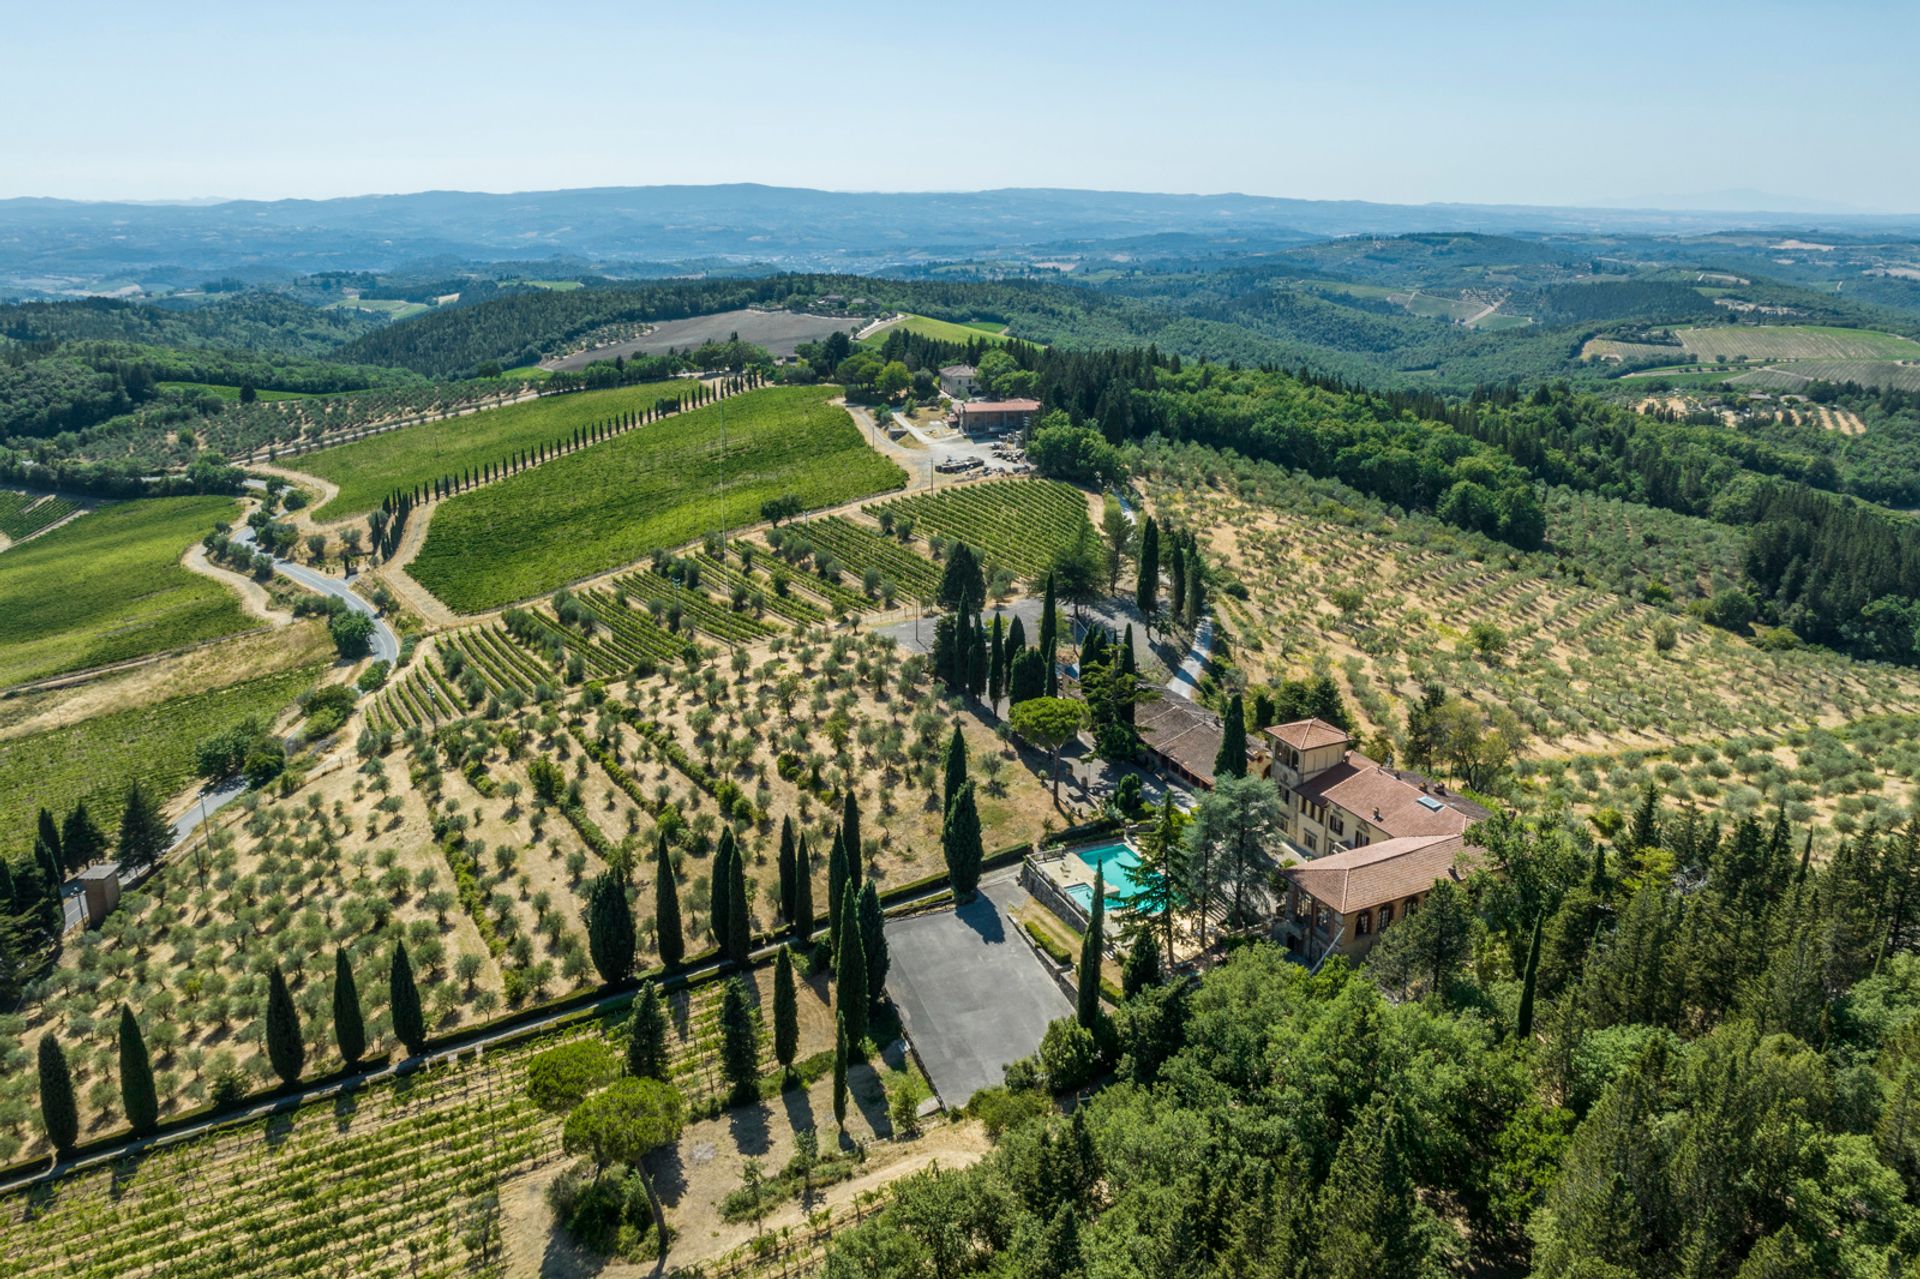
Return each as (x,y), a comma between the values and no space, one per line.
(55,246)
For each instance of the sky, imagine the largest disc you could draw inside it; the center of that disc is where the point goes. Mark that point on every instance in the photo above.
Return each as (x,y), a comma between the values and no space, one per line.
(1809,107)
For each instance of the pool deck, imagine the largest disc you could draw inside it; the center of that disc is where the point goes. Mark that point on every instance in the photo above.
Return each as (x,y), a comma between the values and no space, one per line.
(1068,869)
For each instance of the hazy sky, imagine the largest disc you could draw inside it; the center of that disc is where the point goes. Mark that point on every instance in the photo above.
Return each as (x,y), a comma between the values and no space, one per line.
(1539,102)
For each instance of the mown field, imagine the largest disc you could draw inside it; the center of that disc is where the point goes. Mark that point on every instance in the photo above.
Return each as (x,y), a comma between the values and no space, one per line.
(96,757)
(368,470)
(110,586)
(660,486)
(1795,342)
(943,330)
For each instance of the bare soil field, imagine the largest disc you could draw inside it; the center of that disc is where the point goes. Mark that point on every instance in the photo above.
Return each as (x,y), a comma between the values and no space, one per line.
(780,332)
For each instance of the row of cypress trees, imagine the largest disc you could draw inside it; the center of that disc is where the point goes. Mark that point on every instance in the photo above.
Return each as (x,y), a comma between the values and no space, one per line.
(285,1043)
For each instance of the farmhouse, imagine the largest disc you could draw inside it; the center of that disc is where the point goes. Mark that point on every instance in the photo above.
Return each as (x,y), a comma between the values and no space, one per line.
(975,416)
(1334,798)
(1183,738)
(1340,904)
(958,380)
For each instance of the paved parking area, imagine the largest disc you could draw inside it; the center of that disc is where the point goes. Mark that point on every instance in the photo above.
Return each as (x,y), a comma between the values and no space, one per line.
(973,995)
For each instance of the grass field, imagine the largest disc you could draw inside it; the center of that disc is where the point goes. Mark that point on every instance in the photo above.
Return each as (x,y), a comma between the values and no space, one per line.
(392,308)
(368,470)
(233,392)
(1795,342)
(110,586)
(942,330)
(95,758)
(659,486)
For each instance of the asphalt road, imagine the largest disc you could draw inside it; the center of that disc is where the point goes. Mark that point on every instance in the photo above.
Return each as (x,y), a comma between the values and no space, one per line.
(386,645)
(205,805)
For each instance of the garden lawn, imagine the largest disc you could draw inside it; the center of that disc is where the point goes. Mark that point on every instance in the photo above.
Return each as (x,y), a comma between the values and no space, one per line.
(659,486)
(370,469)
(94,759)
(110,586)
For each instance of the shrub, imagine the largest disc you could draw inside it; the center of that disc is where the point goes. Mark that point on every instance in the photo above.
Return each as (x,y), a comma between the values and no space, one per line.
(560,1078)
(1068,1055)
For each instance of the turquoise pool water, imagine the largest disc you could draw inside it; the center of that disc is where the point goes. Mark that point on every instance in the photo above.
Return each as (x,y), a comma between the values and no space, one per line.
(1082,895)
(1118,862)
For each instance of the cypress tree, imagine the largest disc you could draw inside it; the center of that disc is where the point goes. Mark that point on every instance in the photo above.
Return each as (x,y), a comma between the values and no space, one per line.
(960,843)
(979,661)
(47,862)
(610,928)
(786,1011)
(144,833)
(666,909)
(49,832)
(1196,590)
(836,891)
(1146,591)
(286,1048)
(81,840)
(349,1027)
(409,1025)
(1142,966)
(850,972)
(789,867)
(647,1035)
(1050,643)
(739,1045)
(956,768)
(1231,761)
(137,1095)
(803,894)
(997,662)
(1091,945)
(58,1112)
(1016,639)
(1177,582)
(1026,676)
(1523,1023)
(1132,673)
(873,936)
(840,1070)
(720,910)
(739,926)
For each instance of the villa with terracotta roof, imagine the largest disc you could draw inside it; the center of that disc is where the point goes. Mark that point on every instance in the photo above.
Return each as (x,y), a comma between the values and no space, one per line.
(1373,839)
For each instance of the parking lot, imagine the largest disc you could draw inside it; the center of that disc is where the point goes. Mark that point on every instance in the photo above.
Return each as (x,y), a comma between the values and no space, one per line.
(972,993)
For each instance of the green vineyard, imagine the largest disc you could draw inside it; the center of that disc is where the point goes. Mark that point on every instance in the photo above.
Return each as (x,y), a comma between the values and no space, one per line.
(1017,524)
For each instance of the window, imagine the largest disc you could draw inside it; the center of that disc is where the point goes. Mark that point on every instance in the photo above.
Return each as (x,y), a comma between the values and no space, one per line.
(1336,823)
(1312,845)
(1363,923)
(1386,915)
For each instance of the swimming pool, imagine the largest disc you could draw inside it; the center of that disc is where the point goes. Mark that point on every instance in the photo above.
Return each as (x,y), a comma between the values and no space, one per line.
(1117,862)
(1082,895)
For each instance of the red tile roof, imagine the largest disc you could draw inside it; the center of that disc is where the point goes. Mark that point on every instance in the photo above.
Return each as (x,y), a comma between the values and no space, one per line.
(1393,869)
(1399,804)
(1000,406)
(1306,734)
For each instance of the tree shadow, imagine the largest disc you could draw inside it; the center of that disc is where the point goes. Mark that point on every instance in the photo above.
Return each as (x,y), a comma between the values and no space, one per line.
(799,1107)
(870,1095)
(748,1125)
(669,1174)
(279,1128)
(983,917)
(346,1104)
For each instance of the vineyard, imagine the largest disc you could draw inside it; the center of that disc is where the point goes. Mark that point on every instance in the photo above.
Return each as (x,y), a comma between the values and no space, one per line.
(370,469)
(110,587)
(1016,524)
(863,550)
(1795,342)
(1581,668)
(24,514)
(661,486)
(1799,374)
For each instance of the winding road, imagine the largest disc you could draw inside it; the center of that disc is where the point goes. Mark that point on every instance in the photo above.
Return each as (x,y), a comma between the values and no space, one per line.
(386,645)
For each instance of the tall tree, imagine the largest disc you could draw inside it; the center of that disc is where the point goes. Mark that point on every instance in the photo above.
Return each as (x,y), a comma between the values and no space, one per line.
(997,662)
(1161,887)
(962,580)
(850,831)
(1092,950)
(1196,588)
(1050,723)
(786,1011)
(720,908)
(1146,590)
(1233,827)
(668,937)
(349,1026)
(403,996)
(144,833)
(1371,1222)
(1016,640)
(610,928)
(803,894)
(82,842)
(1049,637)
(137,1093)
(1177,579)
(960,843)
(48,828)
(1231,761)
(647,1035)
(739,1041)
(956,767)
(850,970)
(840,1054)
(1026,676)
(789,866)
(873,936)
(59,1114)
(739,924)
(286,1046)
(1523,1023)
(1141,968)
(836,891)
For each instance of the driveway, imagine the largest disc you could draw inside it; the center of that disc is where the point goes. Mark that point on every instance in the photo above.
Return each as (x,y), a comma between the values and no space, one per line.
(385,646)
(972,995)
